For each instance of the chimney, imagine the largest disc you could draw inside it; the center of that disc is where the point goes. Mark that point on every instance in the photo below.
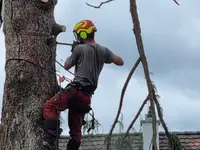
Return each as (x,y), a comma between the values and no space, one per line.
(147,131)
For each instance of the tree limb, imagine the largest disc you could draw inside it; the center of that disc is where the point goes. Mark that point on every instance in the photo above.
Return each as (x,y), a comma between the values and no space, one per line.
(160,115)
(137,115)
(123,93)
(137,32)
(102,3)
(176,2)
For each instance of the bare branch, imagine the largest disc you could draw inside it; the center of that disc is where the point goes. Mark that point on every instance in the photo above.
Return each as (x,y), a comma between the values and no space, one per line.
(102,3)
(137,115)
(160,115)
(176,2)
(122,94)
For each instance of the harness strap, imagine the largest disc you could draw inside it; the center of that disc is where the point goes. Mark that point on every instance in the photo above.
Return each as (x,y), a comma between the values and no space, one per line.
(85,89)
(93,120)
(74,102)
(85,110)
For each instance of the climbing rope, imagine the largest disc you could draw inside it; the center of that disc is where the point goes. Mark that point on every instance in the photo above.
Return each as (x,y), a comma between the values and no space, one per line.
(21,59)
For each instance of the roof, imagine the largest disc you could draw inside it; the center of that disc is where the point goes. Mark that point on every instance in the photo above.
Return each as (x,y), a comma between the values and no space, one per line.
(191,140)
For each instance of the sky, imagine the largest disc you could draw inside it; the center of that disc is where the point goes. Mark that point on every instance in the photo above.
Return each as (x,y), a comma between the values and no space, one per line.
(170,35)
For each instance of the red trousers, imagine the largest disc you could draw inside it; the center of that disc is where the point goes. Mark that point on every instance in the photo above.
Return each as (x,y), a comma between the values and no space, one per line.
(60,102)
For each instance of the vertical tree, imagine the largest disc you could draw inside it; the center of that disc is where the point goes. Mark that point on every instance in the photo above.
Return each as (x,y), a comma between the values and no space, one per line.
(30,36)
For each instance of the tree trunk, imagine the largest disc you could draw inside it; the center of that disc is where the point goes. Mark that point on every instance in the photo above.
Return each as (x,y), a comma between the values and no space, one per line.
(30,34)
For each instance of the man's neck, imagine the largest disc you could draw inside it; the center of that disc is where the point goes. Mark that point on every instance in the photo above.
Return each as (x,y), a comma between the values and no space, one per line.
(90,42)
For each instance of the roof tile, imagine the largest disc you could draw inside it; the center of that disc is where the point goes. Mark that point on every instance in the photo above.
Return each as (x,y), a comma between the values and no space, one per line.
(191,140)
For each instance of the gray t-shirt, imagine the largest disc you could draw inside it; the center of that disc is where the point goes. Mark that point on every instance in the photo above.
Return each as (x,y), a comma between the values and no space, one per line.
(89,61)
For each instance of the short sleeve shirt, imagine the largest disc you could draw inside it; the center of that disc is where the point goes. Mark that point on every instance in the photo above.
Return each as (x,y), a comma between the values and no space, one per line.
(89,61)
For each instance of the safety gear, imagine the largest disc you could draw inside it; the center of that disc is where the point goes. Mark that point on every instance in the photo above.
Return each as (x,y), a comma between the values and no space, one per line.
(75,103)
(83,28)
(60,102)
(85,89)
(77,99)
(73,144)
(52,131)
(49,141)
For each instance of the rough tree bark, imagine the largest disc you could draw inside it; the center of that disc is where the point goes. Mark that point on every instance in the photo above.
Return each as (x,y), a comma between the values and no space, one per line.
(30,34)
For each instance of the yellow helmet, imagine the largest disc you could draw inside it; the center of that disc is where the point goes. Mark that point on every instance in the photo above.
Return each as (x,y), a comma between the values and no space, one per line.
(83,28)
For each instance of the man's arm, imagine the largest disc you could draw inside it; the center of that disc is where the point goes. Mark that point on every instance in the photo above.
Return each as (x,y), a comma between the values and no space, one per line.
(117,60)
(72,60)
(113,58)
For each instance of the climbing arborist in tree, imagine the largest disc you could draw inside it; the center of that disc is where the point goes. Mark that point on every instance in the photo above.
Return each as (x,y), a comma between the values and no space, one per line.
(88,57)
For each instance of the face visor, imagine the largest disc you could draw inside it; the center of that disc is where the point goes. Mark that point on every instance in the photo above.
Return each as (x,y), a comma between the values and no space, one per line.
(76,37)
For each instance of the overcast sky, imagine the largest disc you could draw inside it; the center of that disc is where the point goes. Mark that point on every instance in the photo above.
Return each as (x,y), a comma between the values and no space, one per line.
(171,36)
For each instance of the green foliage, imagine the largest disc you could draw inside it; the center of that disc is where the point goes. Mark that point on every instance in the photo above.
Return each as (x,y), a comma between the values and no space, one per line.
(175,143)
(120,123)
(173,140)
(119,142)
(88,124)
(108,142)
(123,143)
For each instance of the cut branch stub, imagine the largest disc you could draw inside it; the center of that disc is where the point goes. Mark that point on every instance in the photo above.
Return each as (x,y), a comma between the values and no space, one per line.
(44,1)
(57,29)
(45,4)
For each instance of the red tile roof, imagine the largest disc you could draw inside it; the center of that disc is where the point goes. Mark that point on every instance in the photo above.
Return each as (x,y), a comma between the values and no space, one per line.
(191,141)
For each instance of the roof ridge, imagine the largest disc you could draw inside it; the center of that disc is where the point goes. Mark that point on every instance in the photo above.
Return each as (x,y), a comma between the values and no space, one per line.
(102,135)
(135,133)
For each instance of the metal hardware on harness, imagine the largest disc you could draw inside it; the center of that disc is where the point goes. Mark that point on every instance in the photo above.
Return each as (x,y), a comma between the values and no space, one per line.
(85,89)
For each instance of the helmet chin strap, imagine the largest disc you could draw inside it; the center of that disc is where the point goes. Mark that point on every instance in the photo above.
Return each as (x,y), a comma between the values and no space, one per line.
(78,38)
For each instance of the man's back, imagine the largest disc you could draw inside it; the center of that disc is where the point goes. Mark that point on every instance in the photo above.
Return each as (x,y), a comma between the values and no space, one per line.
(89,62)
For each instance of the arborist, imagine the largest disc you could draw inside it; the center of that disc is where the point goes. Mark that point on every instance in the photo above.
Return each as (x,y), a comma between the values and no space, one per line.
(88,57)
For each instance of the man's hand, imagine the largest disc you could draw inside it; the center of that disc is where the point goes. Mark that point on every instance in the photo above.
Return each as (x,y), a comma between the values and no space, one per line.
(66,66)
(73,58)
(117,60)
(74,44)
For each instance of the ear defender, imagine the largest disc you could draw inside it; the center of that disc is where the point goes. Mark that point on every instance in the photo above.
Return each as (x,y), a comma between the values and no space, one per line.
(83,35)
